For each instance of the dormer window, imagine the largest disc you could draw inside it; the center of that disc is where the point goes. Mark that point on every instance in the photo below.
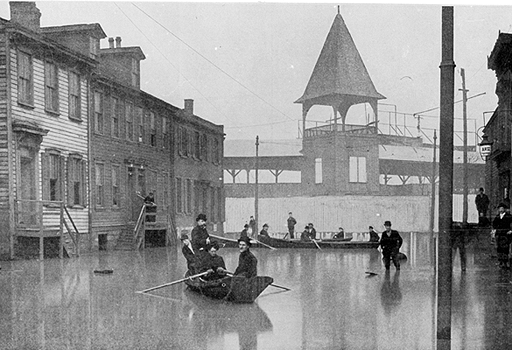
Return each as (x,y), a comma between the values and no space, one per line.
(93,47)
(135,72)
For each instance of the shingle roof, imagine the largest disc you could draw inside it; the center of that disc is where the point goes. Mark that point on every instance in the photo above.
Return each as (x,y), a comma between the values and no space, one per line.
(339,69)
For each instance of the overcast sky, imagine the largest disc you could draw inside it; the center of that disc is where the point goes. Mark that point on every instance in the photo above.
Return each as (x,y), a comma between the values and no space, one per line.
(244,64)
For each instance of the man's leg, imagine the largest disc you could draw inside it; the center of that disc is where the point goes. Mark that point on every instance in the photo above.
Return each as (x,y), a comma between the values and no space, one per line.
(387,260)
(290,231)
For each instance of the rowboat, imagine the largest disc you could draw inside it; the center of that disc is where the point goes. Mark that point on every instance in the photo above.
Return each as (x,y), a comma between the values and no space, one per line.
(347,239)
(235,289)
(330,243)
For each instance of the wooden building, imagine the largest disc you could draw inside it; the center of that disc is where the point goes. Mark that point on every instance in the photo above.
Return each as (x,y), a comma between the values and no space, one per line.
(44,135)
(82,145)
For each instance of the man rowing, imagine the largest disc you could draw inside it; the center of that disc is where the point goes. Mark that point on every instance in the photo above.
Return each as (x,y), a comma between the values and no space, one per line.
(213,263)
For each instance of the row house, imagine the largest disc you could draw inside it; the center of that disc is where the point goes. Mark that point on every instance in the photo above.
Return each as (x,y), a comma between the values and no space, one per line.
(115,145)
(44,134)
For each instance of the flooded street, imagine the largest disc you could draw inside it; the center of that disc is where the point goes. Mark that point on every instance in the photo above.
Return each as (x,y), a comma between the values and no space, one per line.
(333,303)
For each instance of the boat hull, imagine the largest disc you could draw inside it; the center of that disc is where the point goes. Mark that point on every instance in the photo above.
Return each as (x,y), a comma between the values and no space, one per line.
(234,289)
(331,244)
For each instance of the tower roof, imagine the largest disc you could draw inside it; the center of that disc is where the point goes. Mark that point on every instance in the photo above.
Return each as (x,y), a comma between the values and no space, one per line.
(339,71)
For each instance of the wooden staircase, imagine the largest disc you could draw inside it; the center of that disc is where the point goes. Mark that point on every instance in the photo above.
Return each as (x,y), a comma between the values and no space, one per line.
(126,241)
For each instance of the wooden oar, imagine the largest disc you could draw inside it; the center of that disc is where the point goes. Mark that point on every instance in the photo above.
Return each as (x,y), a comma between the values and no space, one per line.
(263,244)
(272,284)
(316,244)
(171,283)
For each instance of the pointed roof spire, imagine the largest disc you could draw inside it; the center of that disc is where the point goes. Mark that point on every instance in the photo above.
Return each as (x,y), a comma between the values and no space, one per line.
(339,71)
(338,9)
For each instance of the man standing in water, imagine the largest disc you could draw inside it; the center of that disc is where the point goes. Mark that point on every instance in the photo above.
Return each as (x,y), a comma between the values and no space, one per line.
(247,262)
(390,241)
(482,205)
(200,237)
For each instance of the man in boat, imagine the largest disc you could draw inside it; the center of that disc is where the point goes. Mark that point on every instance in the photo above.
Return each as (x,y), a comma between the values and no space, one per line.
(252,226)
(390,242)
(213,263)
(311,231)
(200,237)
(304,236)
(291,225)
(340,234)
(247,262)
(188,253)
(374,236)
(264,231)
(245,232)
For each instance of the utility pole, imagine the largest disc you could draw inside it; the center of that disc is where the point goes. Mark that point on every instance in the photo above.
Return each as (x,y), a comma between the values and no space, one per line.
(444,258)
(465,149)
(433,190)
(256,187)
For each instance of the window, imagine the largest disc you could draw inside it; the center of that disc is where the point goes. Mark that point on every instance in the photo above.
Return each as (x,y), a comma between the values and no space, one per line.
(357,169)
(74,96)
(140,119)
(98,112)
(51,80)
(165,133)
(25,82)
(216,151)
(76,180)
(183,141)
(53,175)
(197,144)
(129,121)
(151,117)
(204,147)
(99,182)
(189,196)
(115,185)
(179,203)
(318,171)
(220,204)
(135,72)
(93,47)
(115,116)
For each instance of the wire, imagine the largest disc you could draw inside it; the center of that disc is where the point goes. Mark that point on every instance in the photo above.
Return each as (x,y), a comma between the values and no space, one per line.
(213,64)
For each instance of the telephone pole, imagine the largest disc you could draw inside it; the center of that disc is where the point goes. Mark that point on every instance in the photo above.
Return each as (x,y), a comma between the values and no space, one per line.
(433,190)
(256,187)
(465,149)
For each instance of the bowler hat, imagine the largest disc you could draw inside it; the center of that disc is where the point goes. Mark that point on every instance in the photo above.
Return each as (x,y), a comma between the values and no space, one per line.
(387,223)
(201,217)
(245,239)
(265,225)
(211,245)
(184,236)
(503,205)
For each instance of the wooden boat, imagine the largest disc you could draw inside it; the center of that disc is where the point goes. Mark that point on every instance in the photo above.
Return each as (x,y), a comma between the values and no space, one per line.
(234,289)
(347,239)
(298,244)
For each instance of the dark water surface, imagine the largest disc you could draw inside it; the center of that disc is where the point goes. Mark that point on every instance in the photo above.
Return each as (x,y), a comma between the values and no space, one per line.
(333,304)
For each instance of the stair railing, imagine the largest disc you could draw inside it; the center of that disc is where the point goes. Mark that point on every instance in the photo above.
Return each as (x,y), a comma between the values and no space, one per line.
(75,236)
(139,229)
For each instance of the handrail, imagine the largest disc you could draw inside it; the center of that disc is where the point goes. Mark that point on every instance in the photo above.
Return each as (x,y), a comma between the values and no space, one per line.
(75,241)
(138,225)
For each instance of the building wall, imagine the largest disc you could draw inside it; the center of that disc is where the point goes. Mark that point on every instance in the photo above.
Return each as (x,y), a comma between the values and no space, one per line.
(4,154)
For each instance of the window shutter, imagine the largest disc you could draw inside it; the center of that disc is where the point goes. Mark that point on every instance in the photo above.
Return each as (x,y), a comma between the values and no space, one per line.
(83,194)
(71,192)
(62,178)
(45,170)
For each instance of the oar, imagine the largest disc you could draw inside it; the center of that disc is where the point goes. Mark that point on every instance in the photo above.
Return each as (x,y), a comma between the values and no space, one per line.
(316,244)
(272,284)
(171,283)
(263,244)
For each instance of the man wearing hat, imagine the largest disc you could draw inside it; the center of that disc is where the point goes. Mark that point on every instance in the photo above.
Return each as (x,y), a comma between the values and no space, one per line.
(390,242)
(245,232)
(374,236)
(264,231)
(200,237)
(501,227)
(188,253)
(247,262)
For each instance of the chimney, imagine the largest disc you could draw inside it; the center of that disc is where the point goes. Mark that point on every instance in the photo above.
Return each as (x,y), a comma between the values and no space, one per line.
(110,43)
(189,106)
(26,14)
(118,41)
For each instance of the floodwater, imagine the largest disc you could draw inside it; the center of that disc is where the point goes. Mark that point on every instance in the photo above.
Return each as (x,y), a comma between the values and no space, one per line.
(333,303)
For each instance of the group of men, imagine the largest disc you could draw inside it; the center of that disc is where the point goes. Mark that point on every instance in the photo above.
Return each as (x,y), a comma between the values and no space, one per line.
(201,254)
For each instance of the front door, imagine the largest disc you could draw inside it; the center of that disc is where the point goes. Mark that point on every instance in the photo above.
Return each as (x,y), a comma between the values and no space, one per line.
(28,186)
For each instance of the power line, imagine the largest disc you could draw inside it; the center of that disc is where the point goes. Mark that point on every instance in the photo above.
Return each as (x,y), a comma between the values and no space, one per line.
(213,64)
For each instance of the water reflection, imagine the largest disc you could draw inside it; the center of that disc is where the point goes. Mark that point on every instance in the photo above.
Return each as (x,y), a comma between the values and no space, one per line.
(62,304)
(390,293)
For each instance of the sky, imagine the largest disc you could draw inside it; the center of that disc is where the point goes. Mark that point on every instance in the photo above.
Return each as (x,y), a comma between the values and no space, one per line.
(244,64)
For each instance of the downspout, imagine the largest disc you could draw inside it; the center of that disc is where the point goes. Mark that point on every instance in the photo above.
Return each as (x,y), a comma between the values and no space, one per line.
(10,150)
(89,161)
